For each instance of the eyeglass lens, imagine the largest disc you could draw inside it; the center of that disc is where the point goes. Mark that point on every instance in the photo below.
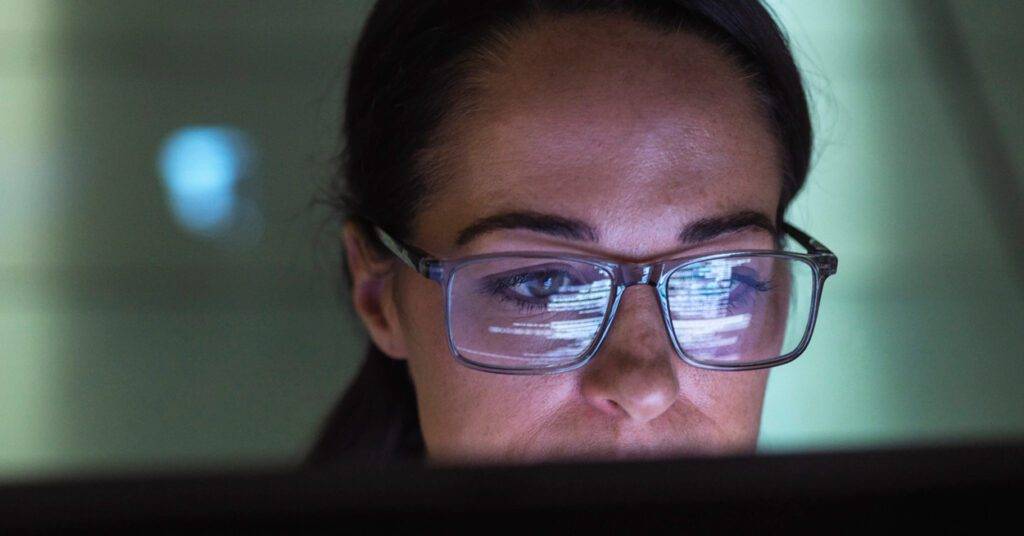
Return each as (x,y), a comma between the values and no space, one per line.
(533,314)
(741,310)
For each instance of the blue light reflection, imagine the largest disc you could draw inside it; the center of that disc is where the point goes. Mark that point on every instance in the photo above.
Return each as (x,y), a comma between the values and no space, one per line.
(200,167)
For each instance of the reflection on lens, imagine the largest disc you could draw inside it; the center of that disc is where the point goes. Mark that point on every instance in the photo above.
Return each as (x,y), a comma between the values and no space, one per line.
(527,313)
(740,310)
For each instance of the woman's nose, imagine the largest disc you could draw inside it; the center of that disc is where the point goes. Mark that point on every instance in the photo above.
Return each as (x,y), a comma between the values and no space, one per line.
(633,374)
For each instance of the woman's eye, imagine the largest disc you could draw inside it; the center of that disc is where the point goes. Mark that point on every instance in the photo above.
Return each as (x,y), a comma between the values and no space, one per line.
(539,285)
(743,288)
(532,289)
(544,285)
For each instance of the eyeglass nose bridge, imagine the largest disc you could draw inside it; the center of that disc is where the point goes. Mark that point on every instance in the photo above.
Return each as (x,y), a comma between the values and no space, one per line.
(639,274)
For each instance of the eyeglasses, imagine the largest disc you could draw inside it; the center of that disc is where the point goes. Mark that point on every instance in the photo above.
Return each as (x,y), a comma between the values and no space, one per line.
(544,313)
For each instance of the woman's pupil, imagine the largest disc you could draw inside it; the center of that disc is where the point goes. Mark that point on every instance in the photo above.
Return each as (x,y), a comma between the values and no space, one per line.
(546,286)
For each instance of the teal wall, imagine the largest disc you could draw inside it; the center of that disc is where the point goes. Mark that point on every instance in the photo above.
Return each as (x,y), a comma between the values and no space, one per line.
(921,333)
(127,343)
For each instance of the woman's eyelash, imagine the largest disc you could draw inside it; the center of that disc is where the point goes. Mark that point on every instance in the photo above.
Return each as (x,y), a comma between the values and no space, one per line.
(519,302)
(755,285)
(499,287)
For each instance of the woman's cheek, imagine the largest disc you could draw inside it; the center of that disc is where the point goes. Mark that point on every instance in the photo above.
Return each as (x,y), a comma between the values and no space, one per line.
(478,415)
(738,399)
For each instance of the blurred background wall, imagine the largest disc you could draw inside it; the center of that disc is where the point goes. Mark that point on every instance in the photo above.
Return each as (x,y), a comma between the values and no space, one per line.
(155,314)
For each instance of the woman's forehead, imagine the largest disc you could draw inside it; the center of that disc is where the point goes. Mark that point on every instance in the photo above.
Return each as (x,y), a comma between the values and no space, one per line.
(614,147)
(634,212)
(637,203)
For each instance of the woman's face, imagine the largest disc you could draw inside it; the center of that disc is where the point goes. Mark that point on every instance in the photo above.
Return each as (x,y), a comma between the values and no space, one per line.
(636,135)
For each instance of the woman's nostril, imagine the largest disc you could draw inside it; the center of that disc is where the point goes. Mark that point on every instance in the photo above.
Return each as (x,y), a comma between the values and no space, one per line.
(614,408)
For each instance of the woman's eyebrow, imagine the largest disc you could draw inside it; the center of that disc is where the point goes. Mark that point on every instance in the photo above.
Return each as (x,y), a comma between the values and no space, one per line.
(695,232)
(706,229)
(534,221)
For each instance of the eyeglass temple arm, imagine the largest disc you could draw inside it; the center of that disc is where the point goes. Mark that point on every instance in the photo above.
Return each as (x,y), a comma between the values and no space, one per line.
(416,258)
(824,257)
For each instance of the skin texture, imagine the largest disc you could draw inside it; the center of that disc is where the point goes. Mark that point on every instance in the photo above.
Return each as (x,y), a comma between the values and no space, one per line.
(638,133)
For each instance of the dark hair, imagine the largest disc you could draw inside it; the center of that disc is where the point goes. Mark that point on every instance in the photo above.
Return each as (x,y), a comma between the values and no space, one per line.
(408,70)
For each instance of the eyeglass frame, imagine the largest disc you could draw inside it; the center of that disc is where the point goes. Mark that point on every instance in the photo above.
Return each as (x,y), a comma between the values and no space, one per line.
(822,261)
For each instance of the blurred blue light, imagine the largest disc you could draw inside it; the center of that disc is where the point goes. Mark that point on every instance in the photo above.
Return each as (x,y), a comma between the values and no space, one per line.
(201,166)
